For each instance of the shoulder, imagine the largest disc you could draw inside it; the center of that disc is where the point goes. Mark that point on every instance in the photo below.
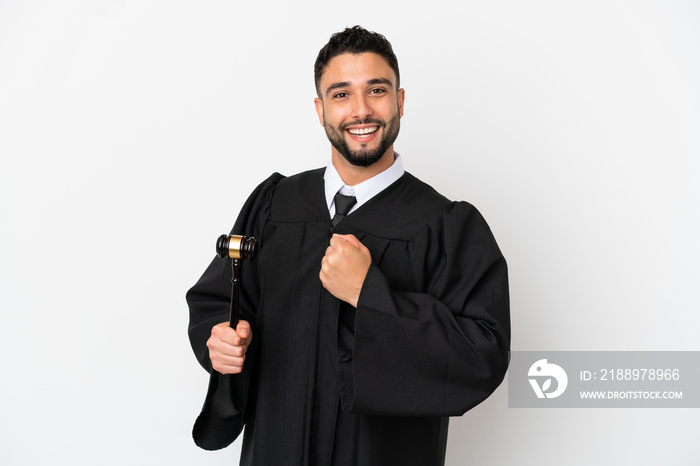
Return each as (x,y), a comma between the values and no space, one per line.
(408,186)
(431,206)
(279,186)
(402,211)
(300,183)
(261,196)
(299,197)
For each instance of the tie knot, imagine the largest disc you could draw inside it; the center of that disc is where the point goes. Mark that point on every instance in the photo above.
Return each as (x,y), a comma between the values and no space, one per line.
(343,203)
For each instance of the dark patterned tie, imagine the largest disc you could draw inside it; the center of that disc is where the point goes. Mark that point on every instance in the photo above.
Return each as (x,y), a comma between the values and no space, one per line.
(343,204)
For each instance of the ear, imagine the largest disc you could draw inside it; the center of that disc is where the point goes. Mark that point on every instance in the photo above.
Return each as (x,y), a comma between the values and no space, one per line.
(400,96)
(319,109)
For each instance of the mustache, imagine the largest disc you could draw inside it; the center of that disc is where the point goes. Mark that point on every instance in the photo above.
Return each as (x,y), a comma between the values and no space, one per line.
(366,121)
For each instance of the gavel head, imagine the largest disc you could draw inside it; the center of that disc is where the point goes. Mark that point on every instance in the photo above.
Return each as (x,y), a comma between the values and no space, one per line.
(235,247)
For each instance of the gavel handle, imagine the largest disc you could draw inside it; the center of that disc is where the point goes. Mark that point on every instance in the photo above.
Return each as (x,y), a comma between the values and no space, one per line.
(233,312)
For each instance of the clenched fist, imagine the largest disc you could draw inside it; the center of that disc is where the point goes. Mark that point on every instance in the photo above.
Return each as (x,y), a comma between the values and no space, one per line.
(344,268)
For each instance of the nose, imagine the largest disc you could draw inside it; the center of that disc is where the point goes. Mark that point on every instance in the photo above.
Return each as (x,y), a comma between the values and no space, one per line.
(361,108)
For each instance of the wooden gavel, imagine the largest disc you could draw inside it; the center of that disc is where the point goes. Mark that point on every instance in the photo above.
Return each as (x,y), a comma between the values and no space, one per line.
(235,247)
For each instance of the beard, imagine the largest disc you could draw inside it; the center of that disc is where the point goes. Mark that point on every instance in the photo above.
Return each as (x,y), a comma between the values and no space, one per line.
(365,156)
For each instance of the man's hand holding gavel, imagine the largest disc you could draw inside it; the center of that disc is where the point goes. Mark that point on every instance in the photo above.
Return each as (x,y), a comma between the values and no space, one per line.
(228,346)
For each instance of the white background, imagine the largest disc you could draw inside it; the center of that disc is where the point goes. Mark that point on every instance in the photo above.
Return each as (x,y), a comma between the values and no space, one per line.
(131,132)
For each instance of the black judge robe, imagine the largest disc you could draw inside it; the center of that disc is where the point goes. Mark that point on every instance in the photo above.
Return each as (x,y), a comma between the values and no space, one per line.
(325,384)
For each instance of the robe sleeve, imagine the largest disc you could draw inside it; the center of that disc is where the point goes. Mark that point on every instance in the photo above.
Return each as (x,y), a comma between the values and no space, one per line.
(444,349)
(223,413)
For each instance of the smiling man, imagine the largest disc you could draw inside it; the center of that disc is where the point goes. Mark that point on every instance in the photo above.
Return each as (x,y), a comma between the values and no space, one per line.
(376,307)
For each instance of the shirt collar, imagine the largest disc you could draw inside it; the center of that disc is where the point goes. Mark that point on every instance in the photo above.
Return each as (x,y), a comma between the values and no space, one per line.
(364,191)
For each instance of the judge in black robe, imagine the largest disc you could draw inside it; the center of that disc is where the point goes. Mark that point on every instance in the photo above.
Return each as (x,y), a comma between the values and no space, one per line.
(327,384)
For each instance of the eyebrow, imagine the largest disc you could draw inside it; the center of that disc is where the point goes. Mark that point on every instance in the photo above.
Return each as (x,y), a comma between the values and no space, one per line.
(371,82)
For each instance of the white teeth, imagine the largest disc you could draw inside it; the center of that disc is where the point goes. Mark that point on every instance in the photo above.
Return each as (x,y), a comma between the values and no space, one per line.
(364,130)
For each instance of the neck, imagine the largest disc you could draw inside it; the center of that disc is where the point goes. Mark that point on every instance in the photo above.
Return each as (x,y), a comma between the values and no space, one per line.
(352,174)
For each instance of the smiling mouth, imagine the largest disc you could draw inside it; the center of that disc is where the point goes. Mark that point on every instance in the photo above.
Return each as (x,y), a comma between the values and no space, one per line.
(362,132)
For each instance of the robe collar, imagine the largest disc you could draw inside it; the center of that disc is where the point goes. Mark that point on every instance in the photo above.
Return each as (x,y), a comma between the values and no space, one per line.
(364,191)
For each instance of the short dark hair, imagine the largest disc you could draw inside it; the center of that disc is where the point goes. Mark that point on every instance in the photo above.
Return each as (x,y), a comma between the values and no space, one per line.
(354,40)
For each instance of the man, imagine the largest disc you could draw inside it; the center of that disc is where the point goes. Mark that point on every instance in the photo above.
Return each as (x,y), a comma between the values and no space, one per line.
(362,330)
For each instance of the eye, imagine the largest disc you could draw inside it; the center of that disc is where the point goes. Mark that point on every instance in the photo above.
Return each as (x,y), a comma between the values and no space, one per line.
(377,91)
(340,95)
